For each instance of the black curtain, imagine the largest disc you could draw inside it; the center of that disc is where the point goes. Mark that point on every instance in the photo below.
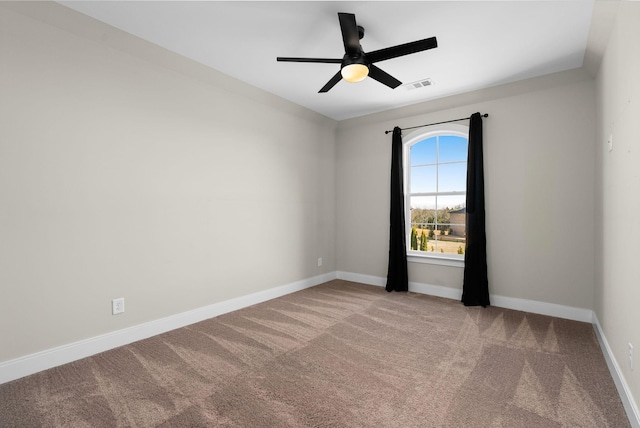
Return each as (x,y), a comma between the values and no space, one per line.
(475,287)
(397,278)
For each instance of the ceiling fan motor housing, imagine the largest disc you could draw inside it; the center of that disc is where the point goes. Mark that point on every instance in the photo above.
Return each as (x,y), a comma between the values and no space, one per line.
(359,58)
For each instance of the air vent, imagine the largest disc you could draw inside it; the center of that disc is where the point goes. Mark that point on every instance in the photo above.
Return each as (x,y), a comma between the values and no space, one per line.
(418,84)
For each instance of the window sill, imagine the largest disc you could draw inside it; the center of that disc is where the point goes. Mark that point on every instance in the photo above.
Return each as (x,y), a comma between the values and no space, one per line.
(413,257)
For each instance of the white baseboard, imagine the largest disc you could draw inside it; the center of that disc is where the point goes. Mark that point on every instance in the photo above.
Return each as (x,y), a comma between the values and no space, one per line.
(363,279)
(616,373)
(432,290)
(30,364)
(436,290)
(542,308)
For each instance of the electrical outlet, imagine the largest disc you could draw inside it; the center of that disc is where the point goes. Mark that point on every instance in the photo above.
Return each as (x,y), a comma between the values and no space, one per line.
(117,306)
(630,356)
(319,261)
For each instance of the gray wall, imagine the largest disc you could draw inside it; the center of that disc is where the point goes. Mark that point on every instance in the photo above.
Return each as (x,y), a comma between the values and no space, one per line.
(617,290)
(127,171)
(539,157)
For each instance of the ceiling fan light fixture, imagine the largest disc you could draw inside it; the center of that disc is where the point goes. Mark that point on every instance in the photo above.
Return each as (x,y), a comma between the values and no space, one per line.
(354,72)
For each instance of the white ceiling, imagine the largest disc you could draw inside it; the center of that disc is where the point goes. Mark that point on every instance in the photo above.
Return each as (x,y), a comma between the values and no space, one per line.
(481,43)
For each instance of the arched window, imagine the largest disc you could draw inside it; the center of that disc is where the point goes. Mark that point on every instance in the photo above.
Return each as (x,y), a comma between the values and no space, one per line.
(435,177)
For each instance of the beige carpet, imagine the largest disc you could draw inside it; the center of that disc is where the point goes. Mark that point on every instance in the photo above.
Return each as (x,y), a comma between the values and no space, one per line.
(337,355)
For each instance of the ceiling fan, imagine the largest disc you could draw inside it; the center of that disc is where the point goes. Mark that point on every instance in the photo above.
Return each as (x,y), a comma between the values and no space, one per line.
(356,65)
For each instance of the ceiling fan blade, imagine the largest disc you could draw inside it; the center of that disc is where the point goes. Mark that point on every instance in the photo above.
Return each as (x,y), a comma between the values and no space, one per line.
(400,50)
(321,60)
(383,77)
(350,35)
(331,83)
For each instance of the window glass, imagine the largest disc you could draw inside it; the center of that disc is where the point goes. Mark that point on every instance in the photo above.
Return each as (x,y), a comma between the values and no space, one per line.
(424,153)
(436,179)
(424,179)
(452,148)
(452,177)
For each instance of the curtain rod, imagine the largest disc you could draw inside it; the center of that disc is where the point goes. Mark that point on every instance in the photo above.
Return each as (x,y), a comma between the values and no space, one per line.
(438,123)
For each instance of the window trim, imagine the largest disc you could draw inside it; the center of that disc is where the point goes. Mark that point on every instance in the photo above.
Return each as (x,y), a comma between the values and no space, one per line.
(408,141)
